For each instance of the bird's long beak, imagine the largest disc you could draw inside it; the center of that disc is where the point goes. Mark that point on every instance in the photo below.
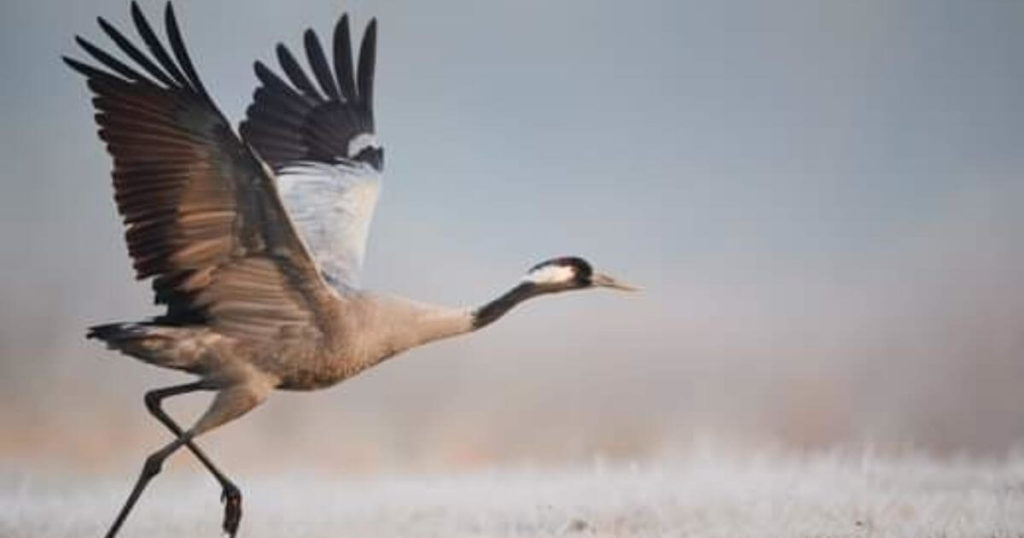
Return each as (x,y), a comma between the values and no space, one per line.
(606,281)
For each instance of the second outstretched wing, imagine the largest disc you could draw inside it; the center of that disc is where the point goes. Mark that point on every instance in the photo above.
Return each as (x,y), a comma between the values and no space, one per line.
(319,138)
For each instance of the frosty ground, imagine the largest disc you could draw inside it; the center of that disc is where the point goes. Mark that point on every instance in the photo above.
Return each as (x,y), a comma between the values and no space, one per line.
(706,495)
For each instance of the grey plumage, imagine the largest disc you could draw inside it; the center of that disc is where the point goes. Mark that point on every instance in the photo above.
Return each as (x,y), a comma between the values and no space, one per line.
(254,244)
(332,206)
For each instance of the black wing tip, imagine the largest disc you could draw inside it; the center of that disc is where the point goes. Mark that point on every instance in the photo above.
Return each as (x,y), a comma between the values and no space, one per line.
(108,28)
(139,16)
(74,64)
(369,36)
(367,65)
(137,13)
(169,11)
(171,24)
(283,54)
(88,46)
(261,70)
(86,70)
(341,27)
(343,66)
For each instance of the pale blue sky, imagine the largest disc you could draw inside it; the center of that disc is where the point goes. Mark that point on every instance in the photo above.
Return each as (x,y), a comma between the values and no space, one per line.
(807,189)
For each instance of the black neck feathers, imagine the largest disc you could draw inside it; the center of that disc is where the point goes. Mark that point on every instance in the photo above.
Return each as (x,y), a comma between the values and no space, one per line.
(490,312)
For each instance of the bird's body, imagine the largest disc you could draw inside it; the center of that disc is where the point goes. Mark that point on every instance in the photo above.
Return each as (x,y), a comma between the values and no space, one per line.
(255,242)
(364,329)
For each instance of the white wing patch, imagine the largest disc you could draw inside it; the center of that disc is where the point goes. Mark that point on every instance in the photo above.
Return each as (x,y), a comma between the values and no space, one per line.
(332,206)
(361,142)
(550,274)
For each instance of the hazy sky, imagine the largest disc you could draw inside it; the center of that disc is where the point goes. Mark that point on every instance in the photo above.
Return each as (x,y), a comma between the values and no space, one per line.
(821,198)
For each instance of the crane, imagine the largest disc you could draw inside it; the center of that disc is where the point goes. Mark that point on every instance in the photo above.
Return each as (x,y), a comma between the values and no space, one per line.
(254,241)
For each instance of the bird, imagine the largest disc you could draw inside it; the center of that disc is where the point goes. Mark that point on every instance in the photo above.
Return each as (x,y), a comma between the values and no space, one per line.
(253,241)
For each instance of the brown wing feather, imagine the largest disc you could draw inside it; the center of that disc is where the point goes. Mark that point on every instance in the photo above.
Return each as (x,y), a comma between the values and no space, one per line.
(202,212)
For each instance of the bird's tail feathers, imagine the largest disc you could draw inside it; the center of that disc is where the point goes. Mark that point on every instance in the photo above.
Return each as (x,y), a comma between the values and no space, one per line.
(162,345)
(114,332)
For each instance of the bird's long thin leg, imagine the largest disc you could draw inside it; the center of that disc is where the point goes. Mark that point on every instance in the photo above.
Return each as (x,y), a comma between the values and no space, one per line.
(231,496)
(150,469)
(230,403)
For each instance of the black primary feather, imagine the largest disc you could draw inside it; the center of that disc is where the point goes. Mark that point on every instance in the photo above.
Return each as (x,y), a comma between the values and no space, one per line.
(367,63)
(343,59)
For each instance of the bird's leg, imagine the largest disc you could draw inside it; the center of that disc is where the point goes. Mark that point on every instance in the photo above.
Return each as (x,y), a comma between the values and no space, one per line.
(149,470)
(229,404)
(231,496)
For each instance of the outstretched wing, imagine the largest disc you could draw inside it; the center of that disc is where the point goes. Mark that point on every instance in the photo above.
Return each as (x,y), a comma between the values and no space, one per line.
(202,211)
(319,138)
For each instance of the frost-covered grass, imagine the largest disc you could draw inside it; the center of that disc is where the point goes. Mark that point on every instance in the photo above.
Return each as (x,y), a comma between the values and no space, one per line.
(705,495)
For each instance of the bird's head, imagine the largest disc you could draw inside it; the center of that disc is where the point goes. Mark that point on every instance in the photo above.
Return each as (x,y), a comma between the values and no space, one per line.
(552,276)
(569,273)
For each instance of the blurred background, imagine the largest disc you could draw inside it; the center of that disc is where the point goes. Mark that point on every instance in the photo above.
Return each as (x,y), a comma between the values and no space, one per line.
(822,200)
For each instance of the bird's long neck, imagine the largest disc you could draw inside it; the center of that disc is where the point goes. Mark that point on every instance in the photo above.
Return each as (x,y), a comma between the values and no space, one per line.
(406,324)
(492,311)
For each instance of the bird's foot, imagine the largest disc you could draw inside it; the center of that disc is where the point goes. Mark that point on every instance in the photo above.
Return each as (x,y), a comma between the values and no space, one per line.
(232,499)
